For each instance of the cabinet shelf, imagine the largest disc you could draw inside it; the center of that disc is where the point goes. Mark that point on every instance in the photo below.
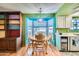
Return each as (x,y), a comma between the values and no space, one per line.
(2,29)
(13,19)
(13,24)
(13,29)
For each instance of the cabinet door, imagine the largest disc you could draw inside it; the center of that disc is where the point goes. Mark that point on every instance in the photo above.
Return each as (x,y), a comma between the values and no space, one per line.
(60,22)
(64,21)
(68,21)
(4,44)
(12,44)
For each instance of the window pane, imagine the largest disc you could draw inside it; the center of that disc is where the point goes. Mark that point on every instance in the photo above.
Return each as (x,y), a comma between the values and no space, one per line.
(74,27)
(78,20)
(71,28)
(29,22)
(50,30)
(39,22)
(73,20)
(50,22)
(78,24)
(29,31)
(75,23)
(77,27)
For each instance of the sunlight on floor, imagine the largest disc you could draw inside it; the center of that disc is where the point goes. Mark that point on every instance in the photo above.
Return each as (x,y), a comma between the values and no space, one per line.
(51,51)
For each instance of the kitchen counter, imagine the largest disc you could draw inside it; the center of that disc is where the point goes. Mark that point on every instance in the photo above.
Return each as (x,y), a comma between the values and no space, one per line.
(68,34)
(69,38)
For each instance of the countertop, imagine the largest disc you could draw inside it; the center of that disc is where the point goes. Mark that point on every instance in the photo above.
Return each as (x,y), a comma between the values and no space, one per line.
(68,34)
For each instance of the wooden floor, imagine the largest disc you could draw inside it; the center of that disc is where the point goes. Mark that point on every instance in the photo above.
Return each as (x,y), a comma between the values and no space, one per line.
(27,51)
(20,52)
(51,51)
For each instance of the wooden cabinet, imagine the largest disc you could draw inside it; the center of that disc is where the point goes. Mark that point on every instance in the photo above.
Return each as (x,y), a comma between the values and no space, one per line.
(10,30)
(12,44)
(9,44)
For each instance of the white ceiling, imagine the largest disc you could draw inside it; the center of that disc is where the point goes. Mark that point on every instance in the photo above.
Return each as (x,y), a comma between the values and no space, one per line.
(31,7)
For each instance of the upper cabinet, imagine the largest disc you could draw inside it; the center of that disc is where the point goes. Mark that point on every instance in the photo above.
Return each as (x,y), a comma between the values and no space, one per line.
(60,22)
(63,21)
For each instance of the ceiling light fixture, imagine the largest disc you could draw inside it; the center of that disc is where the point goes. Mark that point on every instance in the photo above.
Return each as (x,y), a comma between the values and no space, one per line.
(40,19)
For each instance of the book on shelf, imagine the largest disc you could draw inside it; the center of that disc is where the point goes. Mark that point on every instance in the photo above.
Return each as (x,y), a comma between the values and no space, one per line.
(14,27)
(14,22)
(2,21)
(2,26)
(2,16)
(2,34)
(14,17)
(13,33)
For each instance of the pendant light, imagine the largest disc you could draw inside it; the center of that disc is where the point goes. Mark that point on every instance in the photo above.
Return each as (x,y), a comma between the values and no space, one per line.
(40,19)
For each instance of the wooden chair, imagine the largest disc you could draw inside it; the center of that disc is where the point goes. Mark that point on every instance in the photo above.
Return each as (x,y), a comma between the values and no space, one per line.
(40,42)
